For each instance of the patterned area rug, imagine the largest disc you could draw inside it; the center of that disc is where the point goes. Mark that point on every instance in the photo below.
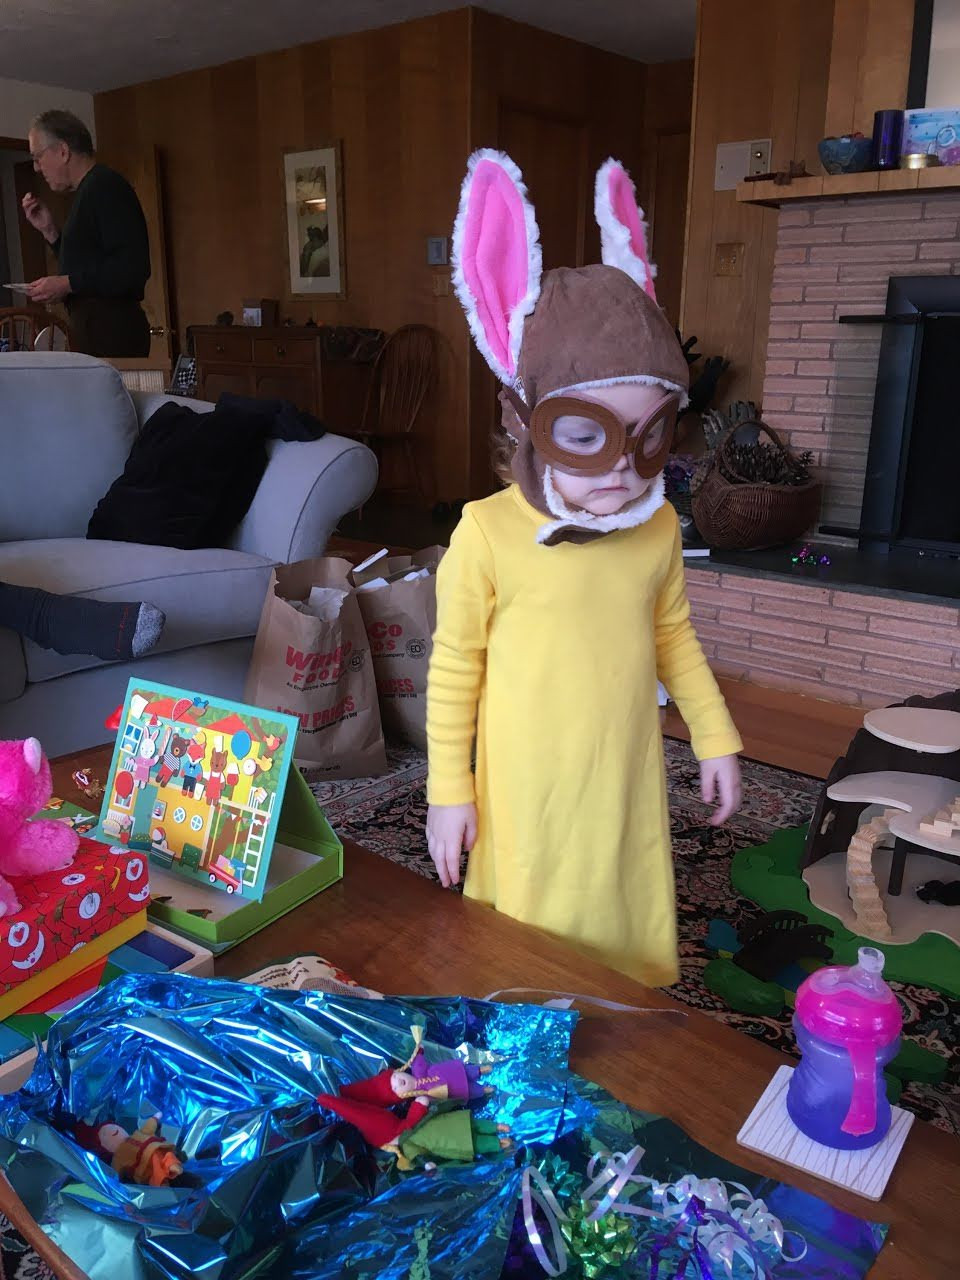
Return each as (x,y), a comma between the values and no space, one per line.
(19,1260)
(386,815)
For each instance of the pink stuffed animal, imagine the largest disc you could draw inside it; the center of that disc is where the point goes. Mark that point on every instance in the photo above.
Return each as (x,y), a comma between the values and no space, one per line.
(28,848)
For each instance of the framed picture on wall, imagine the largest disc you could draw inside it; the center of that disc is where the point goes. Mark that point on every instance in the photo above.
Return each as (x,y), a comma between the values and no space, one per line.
(313,199)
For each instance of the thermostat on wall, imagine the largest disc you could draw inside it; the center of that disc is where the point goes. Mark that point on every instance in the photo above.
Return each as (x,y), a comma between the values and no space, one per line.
(735,160)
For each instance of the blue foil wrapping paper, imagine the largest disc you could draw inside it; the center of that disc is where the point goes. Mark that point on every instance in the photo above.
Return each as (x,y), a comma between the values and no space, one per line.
(233,1070)
(274,1188)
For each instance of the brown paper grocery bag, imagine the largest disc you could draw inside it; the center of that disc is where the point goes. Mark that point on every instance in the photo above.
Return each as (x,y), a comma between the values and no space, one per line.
(318,668)
(401,618)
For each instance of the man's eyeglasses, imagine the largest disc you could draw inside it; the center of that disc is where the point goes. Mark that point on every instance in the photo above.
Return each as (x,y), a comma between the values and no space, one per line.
(35,155)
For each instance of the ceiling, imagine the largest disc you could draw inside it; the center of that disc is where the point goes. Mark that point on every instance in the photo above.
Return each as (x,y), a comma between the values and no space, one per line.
(102,44)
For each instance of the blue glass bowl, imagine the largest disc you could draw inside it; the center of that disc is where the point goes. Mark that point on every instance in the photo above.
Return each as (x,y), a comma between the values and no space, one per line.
(846,155)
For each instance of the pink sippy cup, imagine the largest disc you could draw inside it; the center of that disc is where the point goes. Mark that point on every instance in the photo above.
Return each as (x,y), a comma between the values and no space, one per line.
(847,1022)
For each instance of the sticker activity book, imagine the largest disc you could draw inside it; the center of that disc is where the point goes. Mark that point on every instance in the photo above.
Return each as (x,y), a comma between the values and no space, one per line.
(198,784)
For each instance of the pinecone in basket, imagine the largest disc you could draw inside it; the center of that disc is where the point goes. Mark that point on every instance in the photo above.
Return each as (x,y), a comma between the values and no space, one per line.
(764,464)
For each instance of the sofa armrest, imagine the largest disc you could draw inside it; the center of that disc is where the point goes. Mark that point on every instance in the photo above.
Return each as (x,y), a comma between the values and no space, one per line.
(148,402)
(306,489)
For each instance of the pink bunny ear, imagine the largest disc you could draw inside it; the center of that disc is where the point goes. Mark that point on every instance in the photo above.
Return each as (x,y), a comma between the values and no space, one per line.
(497,262)
(623,233)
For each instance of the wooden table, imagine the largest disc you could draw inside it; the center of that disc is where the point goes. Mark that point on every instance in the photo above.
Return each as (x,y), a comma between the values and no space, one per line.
(397,932)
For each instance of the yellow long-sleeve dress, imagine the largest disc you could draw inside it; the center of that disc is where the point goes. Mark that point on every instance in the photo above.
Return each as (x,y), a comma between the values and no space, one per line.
(551,655)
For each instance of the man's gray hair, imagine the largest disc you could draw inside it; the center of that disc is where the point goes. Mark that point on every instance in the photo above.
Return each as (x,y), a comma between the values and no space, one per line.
(64,126)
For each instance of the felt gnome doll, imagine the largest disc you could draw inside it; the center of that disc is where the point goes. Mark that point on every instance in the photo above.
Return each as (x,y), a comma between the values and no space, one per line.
(550,335)
(142,1157)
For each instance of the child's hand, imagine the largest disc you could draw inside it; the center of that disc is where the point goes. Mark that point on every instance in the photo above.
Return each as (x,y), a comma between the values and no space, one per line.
(720,782)
(451,828)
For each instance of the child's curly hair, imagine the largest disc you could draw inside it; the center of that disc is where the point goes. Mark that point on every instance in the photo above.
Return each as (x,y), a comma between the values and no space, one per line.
(503,442)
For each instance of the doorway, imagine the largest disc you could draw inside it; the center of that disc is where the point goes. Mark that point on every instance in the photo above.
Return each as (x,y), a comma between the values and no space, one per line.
(24,254)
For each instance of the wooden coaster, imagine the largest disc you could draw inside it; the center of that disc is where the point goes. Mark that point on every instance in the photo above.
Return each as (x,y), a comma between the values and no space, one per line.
(769,1130)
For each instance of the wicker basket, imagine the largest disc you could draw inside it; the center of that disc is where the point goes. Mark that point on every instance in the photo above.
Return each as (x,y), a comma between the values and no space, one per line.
(750,516)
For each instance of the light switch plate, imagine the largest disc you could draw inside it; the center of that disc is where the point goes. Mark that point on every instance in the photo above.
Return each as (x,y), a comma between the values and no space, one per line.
(438,254)
(728,259)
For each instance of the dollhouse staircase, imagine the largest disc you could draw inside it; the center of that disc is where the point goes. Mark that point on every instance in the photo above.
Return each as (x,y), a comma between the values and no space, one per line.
(945,823)
(861,878)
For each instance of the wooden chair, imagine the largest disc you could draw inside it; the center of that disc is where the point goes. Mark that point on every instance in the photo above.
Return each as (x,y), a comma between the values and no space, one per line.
(33,329)
(402,376)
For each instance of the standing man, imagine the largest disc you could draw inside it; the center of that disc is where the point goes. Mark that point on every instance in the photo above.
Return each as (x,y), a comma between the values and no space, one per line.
(103,251)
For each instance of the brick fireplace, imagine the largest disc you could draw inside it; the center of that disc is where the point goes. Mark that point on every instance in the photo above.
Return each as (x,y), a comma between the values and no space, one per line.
(819,636)
(835,258)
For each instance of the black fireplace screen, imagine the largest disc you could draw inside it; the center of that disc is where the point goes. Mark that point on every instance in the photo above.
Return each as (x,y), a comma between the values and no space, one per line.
(930,501)
(912,491)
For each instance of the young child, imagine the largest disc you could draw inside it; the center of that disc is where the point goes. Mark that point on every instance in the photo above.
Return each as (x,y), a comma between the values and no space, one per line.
(561,599)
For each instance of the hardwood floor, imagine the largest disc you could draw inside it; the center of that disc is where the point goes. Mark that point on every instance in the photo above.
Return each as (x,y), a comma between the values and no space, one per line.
(784,729)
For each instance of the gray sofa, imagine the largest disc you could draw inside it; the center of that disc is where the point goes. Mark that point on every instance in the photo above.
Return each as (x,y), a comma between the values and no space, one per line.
(66,426)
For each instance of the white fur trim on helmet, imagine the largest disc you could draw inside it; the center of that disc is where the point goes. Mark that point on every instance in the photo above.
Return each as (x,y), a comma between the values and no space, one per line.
(629,517)
(644,378)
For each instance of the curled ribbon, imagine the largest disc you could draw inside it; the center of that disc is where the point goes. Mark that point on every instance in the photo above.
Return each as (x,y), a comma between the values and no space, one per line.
(534,1189)
(729,1222)
(711,1222)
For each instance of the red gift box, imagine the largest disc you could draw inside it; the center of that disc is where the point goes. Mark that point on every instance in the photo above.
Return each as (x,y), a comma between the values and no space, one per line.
(63,912)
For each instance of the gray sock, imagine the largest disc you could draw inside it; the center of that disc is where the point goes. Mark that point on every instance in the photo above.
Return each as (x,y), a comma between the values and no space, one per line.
(150,622)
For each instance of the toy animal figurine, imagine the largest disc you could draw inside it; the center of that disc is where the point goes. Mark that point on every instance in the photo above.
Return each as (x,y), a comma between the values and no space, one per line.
(214,778)
(143,1156)
(171,753)
(146,757)
(28,848)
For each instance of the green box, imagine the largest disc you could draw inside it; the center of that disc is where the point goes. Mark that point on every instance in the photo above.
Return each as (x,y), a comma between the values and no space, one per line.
(307,858)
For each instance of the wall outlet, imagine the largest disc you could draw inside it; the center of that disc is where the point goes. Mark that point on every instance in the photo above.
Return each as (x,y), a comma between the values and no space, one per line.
(735,160)
(438,254)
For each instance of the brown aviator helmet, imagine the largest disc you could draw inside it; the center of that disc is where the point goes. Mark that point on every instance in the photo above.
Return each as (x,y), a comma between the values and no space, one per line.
(554,338)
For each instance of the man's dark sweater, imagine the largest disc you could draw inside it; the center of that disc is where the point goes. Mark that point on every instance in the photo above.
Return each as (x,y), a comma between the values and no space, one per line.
(103,246)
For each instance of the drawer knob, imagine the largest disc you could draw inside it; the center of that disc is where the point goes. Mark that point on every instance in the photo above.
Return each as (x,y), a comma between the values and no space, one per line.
(219,349)
(281,351)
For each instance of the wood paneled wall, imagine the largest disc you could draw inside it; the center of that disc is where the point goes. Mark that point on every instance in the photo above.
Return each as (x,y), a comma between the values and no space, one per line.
(761,71)
(664,173)
(397,98)
(869,62)
(409,103)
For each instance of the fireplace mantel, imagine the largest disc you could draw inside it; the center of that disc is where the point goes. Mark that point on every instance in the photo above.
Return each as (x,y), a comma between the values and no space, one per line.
(893,182)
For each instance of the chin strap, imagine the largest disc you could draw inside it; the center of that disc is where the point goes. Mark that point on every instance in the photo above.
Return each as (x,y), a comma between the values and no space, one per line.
(520,406)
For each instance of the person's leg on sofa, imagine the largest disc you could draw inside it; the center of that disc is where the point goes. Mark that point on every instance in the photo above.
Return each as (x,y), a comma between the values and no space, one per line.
(113,632)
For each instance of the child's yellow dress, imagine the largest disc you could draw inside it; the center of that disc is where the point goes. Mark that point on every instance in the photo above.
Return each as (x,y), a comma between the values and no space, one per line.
(553,653)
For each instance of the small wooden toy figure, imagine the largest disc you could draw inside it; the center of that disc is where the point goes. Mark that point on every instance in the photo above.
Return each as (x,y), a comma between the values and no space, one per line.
(143,1157)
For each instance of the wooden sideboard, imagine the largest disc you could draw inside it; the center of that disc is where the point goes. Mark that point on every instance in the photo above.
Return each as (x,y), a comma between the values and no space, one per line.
(297,363)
